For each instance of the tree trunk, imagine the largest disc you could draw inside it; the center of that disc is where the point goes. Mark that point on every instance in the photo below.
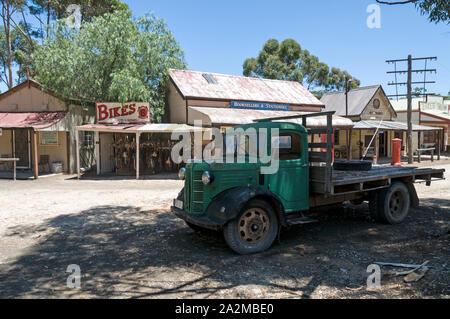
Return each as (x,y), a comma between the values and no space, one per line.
(8,44)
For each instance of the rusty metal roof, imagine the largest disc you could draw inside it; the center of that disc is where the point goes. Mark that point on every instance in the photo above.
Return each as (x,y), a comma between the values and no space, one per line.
(193,84)
(228,116)
(34,120)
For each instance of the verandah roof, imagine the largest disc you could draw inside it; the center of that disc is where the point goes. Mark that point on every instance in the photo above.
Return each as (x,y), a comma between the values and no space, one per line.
(392,126)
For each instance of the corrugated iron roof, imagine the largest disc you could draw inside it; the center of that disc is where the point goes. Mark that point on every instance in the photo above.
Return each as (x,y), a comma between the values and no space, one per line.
(243,116)
(34,120)
(392,126)
(358,99)
(436,113)
(193,84)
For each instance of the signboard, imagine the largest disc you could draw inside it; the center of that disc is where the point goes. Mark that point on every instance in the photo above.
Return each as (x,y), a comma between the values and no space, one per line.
(260,106)
(116,112)
(49,138)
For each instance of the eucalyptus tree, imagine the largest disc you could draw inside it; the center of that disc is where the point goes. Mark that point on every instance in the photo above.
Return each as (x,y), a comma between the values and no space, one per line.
(112,58)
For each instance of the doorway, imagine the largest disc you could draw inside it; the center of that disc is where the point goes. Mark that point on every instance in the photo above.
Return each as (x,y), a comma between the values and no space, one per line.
(21,142)
(383,144)
(106,153)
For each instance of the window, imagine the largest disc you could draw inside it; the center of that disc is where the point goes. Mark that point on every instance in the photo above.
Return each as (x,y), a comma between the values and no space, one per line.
(367,140)
(209,78)
(88,139)
(336,137)
(429,137)
(290,146)
(49,138)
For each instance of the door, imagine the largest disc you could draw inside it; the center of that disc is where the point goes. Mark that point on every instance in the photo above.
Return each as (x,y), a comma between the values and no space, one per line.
(291,182)
(106,153)
(22,148)
(383,144)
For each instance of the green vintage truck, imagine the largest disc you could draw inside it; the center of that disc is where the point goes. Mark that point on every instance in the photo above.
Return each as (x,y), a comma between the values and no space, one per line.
(251,208)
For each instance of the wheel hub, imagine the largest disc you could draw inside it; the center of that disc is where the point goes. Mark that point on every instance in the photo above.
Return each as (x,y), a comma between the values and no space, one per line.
(396,204)
(254,226)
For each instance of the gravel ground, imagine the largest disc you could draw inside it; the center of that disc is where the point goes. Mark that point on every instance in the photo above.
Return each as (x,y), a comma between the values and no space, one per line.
(127,244)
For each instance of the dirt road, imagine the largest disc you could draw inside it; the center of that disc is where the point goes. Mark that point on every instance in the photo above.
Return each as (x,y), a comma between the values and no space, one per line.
(127,244)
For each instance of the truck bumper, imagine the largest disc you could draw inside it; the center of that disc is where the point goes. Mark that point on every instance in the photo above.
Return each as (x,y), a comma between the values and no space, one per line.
(201,221)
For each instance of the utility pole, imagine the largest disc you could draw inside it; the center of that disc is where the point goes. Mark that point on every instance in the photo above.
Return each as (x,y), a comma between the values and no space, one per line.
(409,117)
(348,84)
(409,84)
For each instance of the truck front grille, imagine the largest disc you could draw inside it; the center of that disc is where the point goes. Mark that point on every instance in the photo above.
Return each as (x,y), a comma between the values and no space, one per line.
(197,193)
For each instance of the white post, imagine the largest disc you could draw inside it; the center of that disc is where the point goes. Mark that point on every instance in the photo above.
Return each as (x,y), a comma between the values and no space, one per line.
(77,142)
(137,155)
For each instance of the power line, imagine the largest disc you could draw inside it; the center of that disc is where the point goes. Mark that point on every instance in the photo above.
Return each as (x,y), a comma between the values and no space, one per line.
(409,94)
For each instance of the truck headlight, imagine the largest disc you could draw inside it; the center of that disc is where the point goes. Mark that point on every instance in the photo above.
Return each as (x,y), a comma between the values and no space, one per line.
(182,174)
(207,178)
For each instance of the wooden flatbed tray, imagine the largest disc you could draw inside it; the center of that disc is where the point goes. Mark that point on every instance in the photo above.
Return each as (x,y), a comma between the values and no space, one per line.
(347,182)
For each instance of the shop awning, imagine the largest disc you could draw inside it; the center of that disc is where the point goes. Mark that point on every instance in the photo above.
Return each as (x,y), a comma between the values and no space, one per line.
(228,116)
(33,120)
(392,126)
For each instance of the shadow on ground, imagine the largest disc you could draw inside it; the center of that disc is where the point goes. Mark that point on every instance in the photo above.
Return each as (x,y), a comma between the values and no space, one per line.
(125,252)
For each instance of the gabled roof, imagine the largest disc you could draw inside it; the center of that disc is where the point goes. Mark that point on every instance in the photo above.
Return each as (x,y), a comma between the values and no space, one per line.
(358,99)
(32,83)
(213,86)
(29,83)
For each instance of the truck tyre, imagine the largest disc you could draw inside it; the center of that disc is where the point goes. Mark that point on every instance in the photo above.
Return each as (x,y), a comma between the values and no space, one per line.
(352,165)
(254,230)
(394,203)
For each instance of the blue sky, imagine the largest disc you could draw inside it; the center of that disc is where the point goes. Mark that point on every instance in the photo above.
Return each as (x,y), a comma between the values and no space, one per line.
(217,36)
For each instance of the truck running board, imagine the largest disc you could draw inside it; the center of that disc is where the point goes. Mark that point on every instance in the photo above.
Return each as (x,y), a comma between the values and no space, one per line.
(301,221)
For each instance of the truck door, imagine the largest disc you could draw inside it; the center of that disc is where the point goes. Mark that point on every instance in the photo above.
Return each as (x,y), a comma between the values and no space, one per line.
(291,183)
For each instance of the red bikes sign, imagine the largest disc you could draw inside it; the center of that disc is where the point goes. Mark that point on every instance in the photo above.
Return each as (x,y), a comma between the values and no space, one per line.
(116,112)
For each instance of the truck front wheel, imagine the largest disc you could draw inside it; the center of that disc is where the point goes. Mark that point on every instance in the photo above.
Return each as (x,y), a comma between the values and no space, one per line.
(254,230)
(394,203)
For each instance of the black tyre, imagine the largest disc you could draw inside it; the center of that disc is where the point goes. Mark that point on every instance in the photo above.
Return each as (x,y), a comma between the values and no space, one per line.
(394,203)
(254,230)
(352,166)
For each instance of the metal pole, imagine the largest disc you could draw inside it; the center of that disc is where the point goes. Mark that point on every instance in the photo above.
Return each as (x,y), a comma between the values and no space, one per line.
(409,133)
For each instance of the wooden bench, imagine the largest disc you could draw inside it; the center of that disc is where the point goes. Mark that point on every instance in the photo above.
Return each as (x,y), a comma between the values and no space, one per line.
(14,161)
(420,150)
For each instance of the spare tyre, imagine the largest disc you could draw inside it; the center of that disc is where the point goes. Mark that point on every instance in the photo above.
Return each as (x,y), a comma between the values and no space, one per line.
(352,165)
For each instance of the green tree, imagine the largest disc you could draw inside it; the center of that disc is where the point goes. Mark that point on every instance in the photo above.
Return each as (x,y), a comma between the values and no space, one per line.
(419,91)
(437,10)
(287,61)
(111,58)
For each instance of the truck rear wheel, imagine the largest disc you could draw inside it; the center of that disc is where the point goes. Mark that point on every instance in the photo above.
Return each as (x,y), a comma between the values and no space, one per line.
(254,230)
(394,203)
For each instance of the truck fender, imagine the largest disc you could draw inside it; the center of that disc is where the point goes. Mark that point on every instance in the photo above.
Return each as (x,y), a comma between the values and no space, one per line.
(227,205)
